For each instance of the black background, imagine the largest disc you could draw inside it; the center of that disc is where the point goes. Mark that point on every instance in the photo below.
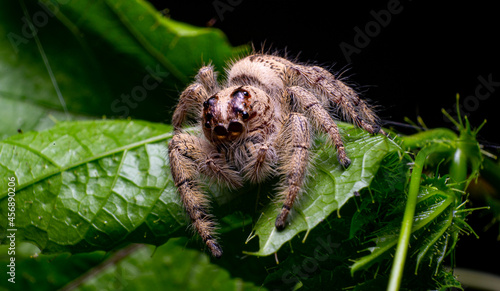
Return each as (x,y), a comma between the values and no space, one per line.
(414,66)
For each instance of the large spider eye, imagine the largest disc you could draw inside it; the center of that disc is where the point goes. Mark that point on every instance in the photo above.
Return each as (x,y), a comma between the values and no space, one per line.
(235,127)
(220,130)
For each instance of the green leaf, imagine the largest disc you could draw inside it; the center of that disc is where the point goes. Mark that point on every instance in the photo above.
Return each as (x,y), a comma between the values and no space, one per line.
(120,58)
(46,272)
(329,189)
(84,186)
(180,269)
(22,116)
(432,225)
(135,267)
(92,185)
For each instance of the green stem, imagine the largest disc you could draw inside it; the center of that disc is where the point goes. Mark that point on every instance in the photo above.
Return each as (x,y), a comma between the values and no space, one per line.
(423,138)
(407,223)
(458,169)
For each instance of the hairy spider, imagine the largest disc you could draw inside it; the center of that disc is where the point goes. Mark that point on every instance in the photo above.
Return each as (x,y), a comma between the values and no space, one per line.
(257,124)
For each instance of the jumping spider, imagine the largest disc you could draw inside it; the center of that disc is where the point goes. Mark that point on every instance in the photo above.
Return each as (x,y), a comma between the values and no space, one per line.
(256,125)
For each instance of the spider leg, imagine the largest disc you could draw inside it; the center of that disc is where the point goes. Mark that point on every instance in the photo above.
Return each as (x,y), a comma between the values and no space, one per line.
(208,78)
(339,94)
(314,110)
(189,104)
(188,157)
(192,97)
(295,139)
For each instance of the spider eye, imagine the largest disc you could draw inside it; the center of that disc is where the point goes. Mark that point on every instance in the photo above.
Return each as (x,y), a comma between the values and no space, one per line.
(240,93)
(210,101)
(208,117)
(245,115)
(235,127)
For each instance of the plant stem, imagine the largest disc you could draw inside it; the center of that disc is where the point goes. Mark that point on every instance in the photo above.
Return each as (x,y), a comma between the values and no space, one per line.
(407,224)
(458,169)
(423,138)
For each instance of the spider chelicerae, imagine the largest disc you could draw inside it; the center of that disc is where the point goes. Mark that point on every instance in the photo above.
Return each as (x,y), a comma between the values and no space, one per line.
(257,124)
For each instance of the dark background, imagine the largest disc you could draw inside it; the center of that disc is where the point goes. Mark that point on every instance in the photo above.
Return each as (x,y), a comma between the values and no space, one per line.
(414,66)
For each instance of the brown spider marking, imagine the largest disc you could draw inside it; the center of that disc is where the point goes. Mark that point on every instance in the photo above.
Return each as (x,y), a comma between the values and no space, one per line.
(256,125)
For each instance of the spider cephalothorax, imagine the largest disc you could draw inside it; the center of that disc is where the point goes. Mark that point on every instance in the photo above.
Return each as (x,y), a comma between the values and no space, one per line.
(258,124)
(226,114)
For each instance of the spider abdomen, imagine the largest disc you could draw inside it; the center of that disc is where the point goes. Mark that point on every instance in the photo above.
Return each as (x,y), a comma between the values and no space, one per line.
(263,71)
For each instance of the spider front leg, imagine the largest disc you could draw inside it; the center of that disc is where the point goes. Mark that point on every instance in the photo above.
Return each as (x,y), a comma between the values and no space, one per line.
(295,140)
(315,111)
(190,155)
(191,99)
